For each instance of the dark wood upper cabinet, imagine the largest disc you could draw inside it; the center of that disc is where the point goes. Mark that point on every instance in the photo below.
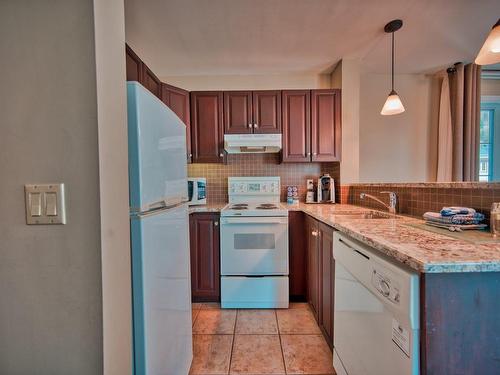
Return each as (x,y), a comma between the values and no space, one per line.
(237,112)
(133,65)
(313,266)
(177,100)
(205,253)
(296,105)
(150,81)
(266,111)
(207,135)
(325,125)
(325,234)
(297,256)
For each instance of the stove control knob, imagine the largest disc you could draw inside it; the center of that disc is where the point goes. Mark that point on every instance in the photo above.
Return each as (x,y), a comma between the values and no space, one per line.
(385,289)
(397,297)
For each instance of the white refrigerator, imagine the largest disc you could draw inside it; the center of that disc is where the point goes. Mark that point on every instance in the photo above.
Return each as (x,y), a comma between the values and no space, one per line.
(161,283)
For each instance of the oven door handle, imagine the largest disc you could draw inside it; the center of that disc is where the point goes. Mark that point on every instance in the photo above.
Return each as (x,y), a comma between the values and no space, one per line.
(254,220)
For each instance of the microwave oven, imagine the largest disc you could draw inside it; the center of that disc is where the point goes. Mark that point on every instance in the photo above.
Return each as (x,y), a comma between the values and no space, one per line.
(197,191)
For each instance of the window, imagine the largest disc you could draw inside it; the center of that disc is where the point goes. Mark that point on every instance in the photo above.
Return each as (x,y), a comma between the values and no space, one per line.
(486,144)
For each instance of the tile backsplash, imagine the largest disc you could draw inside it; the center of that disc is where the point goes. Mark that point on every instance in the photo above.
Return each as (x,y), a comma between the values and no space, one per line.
(416,199)
(239,165)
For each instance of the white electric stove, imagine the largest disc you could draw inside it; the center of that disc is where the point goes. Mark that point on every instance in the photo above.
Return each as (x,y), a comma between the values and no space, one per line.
(254,245)
(254,209)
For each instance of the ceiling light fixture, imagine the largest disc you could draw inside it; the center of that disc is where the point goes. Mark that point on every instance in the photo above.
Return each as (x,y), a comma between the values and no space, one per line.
(490,52)
(393,104)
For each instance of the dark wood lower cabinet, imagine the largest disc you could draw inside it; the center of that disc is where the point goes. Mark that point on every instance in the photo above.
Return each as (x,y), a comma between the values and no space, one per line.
(297,257)
(313,266)
(460,323)
(320,274)
(204,236)
(327,278)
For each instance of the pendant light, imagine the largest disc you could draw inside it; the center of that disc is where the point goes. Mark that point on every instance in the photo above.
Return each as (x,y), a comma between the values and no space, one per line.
(490,52)
(393,104)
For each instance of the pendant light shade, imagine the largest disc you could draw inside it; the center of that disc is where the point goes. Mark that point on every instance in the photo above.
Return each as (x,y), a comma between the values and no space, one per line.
(393,104)
(490,52)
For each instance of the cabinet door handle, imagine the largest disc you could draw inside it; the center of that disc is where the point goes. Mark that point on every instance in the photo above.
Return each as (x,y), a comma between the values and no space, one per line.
(216,223)
(314,233)
(221,154)
(255,126)
(308,154)
(314,153)
(250,126)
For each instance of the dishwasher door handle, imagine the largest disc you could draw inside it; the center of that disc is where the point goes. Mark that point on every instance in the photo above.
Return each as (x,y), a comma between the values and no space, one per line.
(353,249)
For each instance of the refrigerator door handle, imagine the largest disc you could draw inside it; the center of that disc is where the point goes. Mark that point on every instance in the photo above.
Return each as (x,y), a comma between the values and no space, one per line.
(167,203)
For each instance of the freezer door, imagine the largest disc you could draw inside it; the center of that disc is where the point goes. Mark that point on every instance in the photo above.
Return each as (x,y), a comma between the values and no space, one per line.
(157,151)
(161,292)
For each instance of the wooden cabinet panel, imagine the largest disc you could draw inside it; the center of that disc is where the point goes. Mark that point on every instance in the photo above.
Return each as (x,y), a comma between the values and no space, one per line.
(313,266)
(205,253)
(206,127)
(177,100)
(150,81)
(327,279)
(133,65)
(297,256)
(237,112)
(459,323)
(296,125)
(267,111)
(325,125)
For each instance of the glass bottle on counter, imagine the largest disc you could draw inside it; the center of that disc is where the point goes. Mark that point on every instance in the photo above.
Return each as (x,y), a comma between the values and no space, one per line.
(495,219)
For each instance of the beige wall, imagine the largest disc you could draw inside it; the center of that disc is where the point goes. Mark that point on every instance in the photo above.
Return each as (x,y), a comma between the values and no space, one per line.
(336,76)
(113,176)
(50,276)
(250,82)
(350,75)
(490,87)
(395,148)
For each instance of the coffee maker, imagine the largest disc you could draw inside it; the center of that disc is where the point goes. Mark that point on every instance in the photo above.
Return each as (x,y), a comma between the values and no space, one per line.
(326,189)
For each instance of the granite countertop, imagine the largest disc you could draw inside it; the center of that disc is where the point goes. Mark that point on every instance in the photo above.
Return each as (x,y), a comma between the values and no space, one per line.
(399,239)
(212,207)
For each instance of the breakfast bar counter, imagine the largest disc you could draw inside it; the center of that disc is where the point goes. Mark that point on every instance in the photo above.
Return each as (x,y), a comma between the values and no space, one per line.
(400,238)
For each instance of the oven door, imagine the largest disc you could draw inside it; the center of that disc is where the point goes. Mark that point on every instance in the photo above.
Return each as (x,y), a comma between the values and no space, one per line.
(254,246)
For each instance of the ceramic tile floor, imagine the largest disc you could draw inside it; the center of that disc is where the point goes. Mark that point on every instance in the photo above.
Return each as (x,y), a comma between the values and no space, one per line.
(258,342)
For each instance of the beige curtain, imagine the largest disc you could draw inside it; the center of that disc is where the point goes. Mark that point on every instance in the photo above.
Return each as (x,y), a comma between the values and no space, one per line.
(445,141)
(459,112)
(472,109)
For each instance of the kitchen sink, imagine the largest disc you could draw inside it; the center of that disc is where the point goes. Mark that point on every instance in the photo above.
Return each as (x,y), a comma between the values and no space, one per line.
(366,215)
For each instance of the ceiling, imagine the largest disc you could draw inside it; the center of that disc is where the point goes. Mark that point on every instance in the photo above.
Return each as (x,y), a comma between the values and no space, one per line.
(251,37)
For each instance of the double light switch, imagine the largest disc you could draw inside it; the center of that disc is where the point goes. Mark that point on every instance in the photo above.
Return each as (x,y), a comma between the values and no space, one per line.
(45,204)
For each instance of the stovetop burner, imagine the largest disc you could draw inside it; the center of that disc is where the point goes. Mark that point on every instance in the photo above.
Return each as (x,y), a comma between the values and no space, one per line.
(239,208)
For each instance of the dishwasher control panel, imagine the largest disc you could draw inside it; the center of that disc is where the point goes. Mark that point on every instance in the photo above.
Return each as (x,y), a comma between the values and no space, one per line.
(386,286)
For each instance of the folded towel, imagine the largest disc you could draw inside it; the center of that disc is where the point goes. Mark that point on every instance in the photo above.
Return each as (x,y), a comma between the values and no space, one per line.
(450,211)
(474,218)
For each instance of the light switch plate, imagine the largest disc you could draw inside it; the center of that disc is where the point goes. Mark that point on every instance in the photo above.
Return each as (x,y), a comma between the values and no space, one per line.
(45,204)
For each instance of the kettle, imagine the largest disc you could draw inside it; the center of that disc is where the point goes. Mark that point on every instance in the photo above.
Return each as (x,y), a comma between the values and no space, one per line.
(326,189)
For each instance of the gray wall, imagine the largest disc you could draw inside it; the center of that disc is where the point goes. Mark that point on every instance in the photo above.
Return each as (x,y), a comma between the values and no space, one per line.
(50,276)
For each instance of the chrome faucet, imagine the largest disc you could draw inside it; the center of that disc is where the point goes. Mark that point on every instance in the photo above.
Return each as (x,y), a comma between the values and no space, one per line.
(393,200)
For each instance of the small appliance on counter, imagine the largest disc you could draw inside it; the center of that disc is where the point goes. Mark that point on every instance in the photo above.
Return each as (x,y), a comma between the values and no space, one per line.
(310,191)
(292,195)
(197,190)
(326,189)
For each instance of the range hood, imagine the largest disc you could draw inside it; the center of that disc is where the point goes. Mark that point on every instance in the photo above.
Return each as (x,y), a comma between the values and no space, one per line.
(252,143)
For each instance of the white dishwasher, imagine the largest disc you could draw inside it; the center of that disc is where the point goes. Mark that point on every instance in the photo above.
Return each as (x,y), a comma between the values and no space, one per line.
(376,313)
